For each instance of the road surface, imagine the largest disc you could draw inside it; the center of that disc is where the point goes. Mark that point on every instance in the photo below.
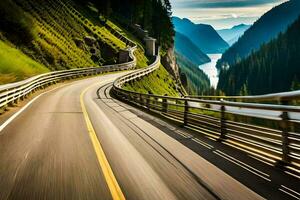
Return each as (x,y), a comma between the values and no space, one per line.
(76,142)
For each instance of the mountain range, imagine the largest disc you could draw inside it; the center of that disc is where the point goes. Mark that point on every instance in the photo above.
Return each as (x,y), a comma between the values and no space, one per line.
(273,68)
(262,31)
(205,37)
(188,49)
(233,34)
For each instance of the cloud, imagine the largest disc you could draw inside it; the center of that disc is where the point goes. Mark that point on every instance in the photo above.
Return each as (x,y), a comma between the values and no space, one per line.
(222,13)
(221,3)
(234,15)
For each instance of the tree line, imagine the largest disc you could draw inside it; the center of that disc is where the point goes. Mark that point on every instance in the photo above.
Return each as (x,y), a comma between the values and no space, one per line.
(14,23)
(195,81)
(152,15)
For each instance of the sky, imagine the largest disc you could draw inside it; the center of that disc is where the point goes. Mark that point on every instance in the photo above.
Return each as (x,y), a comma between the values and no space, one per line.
(222,13)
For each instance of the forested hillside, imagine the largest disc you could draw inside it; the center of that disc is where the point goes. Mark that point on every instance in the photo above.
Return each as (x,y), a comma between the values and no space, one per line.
(49,33)
(37,36)
(195,81)
(152,15)
(203,36)
(185,47)
(262,31)
(274,68)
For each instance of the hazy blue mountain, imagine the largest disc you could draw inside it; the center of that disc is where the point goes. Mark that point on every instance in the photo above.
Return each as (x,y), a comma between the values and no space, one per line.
(205,37)
(233,34)
(185,47)
(262,31)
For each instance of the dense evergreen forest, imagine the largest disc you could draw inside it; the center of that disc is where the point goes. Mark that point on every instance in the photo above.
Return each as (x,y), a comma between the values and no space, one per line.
(273,68)
(195,81)
(266,28)
(152,15)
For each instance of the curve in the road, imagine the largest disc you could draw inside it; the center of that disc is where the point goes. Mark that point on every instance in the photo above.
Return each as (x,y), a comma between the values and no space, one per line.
(110,178)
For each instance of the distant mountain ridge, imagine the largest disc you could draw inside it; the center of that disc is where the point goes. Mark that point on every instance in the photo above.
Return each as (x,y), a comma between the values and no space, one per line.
(233,34)
(188,49)
(275,67)
(205,37)
(262,31)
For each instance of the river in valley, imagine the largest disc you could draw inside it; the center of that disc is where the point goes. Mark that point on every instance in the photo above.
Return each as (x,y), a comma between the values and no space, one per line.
(211,70)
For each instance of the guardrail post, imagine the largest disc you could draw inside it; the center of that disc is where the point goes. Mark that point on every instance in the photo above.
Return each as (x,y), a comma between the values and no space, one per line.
(284,124)
(186,111)
(141,99)
(164,105)
(148,102)
(156,103)
(129,98)
(22,96)
(148,99)
(222,123)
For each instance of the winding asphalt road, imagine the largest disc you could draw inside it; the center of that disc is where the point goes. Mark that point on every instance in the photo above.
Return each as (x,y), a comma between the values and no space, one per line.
(76,142)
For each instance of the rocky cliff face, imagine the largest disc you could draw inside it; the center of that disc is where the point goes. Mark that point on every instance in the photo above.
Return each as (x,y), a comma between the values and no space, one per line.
(169,62)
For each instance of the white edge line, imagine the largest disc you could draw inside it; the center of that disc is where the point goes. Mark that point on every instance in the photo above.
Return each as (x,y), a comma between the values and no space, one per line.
(291,174)
(238,164)
(286,192)
(203,144)
(242,163)
(9,120)
(290,190)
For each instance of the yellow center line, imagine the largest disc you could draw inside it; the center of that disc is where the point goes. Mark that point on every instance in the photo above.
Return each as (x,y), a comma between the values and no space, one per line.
(109,176)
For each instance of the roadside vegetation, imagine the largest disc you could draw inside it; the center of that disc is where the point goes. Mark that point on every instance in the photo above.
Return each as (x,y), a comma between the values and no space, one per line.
(10,61)
(159,83)
(42,36)
(273,68)
(89,11)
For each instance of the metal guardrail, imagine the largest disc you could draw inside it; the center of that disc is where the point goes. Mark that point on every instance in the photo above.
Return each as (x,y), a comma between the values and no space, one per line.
(282,97)
(268,131)
(12,93)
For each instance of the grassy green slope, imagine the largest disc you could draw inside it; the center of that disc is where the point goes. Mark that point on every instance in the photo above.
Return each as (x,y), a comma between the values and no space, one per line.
(159,82)
(10,61)
(56,27)
(91,13)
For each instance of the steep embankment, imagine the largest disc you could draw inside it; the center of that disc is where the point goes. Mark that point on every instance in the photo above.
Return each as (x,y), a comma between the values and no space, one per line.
(10,61)
(203,36)
(262,31)
(40,36)
(273,68)
(159,82)
(55,35)
(50,33)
